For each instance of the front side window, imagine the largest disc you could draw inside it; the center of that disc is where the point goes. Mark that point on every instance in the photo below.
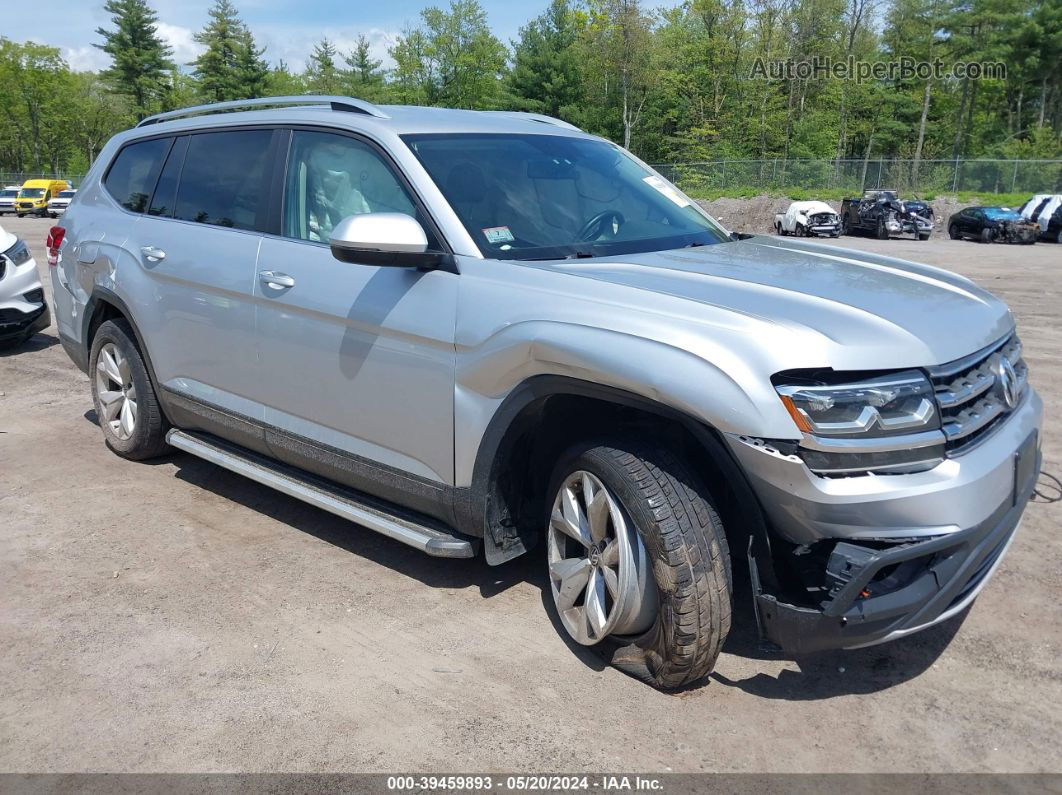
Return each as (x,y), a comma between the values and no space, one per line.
(131,177)
(551,196)
(222,178)
(332,176)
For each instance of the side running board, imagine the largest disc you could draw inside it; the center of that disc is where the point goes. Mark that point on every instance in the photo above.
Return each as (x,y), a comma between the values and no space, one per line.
(334,499)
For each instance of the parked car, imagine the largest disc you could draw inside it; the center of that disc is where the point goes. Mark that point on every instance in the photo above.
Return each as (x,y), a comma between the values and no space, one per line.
(7,199)
(23,310)
(992,225)
(490,331)
(1043,210)
(35,194)
(58,205)
(806,218)
(880,212)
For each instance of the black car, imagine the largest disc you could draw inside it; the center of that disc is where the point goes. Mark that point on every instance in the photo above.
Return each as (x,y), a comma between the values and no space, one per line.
(992,225)
(882,213)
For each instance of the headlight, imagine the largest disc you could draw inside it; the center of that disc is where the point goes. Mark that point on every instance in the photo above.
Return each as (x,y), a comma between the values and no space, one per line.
(18,253)
(881,424)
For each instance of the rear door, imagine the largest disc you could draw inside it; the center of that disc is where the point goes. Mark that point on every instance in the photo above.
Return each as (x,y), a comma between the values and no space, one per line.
(356,360)
(198,244)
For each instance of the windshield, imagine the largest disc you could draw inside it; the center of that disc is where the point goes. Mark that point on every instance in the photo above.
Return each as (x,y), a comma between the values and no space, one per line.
(1002,214)
(31,193)
(8,193)
(551,196)
(66,194)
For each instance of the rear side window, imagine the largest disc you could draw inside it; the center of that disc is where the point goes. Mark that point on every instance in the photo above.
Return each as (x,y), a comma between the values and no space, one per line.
(132,176)
(222,179)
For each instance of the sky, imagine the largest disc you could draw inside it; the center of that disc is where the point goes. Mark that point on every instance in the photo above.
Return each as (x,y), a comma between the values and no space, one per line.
(287,28)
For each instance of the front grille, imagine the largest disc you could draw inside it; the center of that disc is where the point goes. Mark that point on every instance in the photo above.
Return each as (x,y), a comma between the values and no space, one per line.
(977,393)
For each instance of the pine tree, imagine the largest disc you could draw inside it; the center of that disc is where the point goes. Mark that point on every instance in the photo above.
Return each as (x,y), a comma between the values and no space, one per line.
(231,66)
(365,78)
(545,76)
(322,76)
(140,58)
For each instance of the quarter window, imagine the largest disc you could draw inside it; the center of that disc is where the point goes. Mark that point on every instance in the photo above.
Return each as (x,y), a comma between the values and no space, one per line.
(132,176)
(332,176)
(222,179)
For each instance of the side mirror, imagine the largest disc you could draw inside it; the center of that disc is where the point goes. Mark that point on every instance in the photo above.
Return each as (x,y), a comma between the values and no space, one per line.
(385,239)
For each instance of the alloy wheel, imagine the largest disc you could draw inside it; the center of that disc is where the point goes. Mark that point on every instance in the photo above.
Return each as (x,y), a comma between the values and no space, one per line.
(599,573)
(116,391)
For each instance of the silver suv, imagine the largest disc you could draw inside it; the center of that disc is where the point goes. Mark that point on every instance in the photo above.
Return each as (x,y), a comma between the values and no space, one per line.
(491,330)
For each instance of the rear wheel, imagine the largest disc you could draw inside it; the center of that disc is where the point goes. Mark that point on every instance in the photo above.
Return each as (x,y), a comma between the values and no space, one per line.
(126,406)
(638,561)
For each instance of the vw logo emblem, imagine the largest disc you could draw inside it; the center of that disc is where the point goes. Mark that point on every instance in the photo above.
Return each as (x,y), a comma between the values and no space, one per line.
(1007,380)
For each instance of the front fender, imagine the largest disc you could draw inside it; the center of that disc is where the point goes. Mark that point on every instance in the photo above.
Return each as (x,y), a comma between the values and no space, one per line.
(718,389)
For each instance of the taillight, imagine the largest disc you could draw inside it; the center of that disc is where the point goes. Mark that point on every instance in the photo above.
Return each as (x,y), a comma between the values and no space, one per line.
(53,242)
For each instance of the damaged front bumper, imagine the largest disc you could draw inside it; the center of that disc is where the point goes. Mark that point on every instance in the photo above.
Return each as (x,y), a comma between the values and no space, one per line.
(880,557)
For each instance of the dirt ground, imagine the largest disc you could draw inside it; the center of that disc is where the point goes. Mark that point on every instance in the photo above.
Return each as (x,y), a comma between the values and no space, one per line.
(175,617)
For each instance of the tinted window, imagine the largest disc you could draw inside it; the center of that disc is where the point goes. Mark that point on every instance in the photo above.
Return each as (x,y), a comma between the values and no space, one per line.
(132,175)
(66,194)
(166,191)
(222,179)
(332,176)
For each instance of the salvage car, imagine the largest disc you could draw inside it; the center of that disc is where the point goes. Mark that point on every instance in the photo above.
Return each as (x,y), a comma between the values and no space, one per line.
(23,310)
(992,225)
(494,333)
(882,214)
(1043,210)
(808,218)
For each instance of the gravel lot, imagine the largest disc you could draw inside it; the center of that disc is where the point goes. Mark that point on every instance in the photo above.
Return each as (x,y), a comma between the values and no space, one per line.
(175,617)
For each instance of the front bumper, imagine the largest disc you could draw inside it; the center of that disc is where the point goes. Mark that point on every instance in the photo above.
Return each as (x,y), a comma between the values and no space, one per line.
(23,309)
(904,551)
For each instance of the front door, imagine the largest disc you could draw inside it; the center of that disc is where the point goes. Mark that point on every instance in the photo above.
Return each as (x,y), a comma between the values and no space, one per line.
(357,361)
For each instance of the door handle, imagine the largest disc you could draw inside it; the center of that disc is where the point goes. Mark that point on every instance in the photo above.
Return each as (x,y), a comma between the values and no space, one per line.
(153,253)
(276,279)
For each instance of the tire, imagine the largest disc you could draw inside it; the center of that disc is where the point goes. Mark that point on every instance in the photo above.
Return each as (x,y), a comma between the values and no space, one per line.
(681,571)
(953,232)
(20,215)
(987,236)
(117,370)
(52,215)
(883,231)
(844,226)
(923,236)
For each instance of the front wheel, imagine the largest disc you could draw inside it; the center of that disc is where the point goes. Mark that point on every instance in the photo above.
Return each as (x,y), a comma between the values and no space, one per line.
(883,231)
(987,236)
(638,560)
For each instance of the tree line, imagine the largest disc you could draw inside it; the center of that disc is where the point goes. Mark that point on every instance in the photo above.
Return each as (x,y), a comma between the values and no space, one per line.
(674,85)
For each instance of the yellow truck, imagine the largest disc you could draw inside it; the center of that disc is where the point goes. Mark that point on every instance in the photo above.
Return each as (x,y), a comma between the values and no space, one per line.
(35,195)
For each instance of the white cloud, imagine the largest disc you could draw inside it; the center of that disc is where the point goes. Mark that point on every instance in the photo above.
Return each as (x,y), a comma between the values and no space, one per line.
(185,48)
(86,59)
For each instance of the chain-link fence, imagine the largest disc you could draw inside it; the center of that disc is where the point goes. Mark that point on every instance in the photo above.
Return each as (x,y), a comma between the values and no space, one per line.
(910,176)
(12,178)
(853,176)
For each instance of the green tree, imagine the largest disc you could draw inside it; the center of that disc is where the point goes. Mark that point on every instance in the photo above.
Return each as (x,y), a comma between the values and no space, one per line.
(140,58)
(545,75)
(365,78)
(231,66)
(322,75)
(33,83)
(452,59)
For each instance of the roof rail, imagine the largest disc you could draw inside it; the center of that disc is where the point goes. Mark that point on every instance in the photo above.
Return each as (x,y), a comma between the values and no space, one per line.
(349,104)
(539,117)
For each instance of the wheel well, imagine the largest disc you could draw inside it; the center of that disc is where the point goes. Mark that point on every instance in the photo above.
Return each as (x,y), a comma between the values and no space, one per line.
(546,427)
(103,312)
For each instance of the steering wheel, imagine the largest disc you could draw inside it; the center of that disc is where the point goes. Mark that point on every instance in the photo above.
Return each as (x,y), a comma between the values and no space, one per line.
(595,226)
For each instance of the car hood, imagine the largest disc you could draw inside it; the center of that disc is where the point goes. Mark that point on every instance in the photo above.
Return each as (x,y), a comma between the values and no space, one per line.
(7,240)
(865,311)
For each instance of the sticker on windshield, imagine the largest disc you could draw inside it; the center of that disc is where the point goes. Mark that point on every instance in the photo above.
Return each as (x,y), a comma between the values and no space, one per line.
(498,234)
(663,188)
